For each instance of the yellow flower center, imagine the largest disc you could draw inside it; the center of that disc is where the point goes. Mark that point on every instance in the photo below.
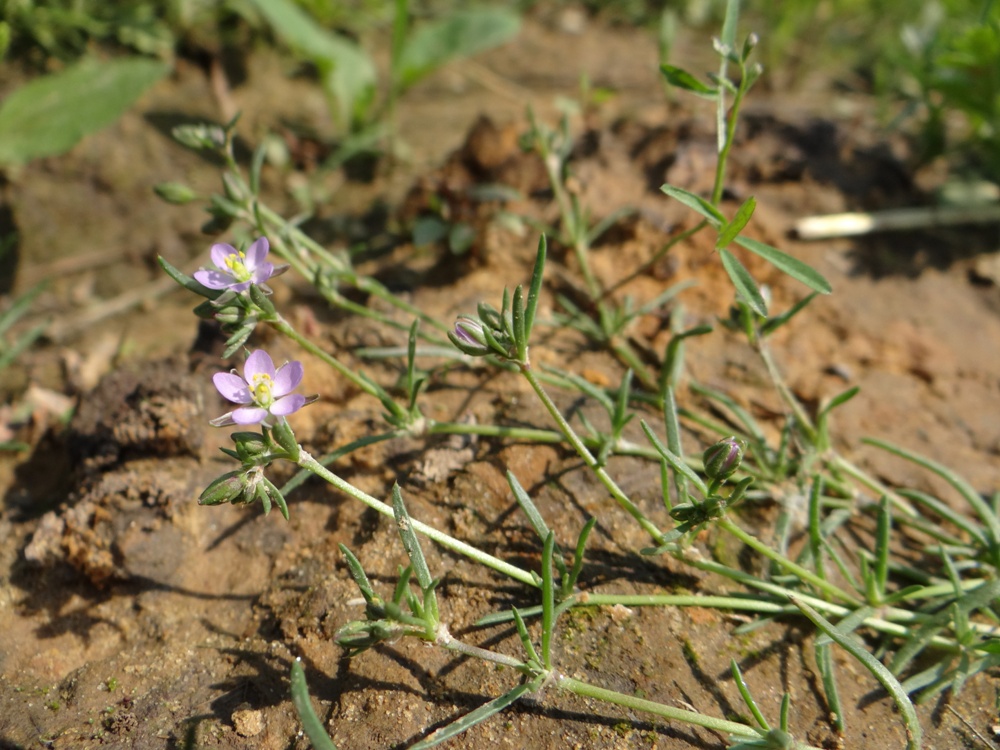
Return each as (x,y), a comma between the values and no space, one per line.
(237,266)
(260,388)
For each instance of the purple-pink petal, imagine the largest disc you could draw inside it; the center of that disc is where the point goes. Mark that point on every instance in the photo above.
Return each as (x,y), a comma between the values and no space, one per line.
(213,279)
(288,404)
(258,363)
(249,415)
(256,253)
(262,273)
(287,378)
(220,252)
(232,387)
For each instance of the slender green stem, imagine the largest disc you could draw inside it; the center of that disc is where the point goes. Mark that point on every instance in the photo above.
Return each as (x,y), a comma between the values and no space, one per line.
(306,461)
(873,484)
(806,575)
(627,354)
(657,709)
(592,463)
(621,447)
(283,327)
(894,621)
(804,422)
(657,256)
(446,640)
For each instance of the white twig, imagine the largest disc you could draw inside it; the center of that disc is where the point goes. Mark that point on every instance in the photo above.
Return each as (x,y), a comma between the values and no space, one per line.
(851,224)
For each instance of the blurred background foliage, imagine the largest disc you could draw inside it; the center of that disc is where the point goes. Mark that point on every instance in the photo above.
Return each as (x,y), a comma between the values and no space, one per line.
(934,64)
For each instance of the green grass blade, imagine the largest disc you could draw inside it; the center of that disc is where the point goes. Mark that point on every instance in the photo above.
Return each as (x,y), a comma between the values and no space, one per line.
(745,694)
(477,716)
(311,723)
(676,462)
(913,731)
(824,661)
(535,287)
(529,507)
(967,491)
(548,600)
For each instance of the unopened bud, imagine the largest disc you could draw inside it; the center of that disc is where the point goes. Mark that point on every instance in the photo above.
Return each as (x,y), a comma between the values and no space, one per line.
(468,336)
(175,192)
(724,458)
(225,489)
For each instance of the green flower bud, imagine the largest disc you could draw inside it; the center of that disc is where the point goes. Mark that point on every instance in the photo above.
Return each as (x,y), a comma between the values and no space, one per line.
(175,192)
(224,489)
(724,458)
(282,435)
(252,448)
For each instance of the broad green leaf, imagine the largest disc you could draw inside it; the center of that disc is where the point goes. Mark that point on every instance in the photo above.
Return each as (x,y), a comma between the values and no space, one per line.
(787,264)
(731,229)
(696,202)
(348,72)
(746,287)
(50,114)
(462,34)
(683,80)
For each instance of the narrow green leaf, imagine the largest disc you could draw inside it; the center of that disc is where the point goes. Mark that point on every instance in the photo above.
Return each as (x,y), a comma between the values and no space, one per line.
(522,631)
(787,264)
(696,202)
(774,323)
(482,713)
(535,287)
(311,723)
(581,546)
(746,287)
(460,34)
(528,506)
(745,694)
(50,114)
(517,322)
(683,80)
(729,23)
(731,229)
(824,661)
(882,531)
(410,541)
(348,72)
(676,462)
(548,600)
(884,676)
(980,506)
(358,574)
(948,513)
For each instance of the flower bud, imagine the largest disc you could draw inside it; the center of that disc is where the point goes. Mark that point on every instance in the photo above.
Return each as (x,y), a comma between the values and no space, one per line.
(252,448)
(175,192)
(200,136)
(468,336)
(285,438)
(724,458)
(224,489)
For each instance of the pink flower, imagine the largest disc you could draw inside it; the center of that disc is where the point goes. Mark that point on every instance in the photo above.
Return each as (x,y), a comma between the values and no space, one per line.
(262,390)
(235,269)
